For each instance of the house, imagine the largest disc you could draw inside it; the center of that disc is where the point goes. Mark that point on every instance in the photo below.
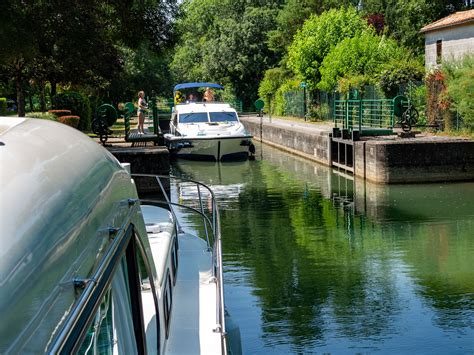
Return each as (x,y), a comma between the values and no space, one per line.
(449,38)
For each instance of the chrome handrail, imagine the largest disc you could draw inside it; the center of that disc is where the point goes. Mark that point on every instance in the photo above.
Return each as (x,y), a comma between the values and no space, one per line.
(216,248)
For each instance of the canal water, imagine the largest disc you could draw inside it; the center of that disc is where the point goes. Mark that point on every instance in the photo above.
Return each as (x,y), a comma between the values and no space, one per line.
(316,262)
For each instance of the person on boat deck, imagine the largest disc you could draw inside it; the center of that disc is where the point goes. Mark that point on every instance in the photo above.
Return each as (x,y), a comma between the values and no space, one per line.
(178,97)
(192,98)
(208,95)
(142,108)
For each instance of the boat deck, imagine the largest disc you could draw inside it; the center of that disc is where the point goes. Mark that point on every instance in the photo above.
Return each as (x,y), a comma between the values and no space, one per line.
(194,312)
(194,297)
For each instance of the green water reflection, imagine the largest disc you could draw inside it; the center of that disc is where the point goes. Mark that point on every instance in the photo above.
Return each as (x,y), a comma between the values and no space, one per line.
(315,262)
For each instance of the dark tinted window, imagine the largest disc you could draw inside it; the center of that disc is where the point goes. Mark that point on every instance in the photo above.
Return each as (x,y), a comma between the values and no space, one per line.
(223,116)
(193,117)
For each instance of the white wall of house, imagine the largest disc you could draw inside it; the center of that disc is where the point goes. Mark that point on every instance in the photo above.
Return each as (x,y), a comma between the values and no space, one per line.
(456,42)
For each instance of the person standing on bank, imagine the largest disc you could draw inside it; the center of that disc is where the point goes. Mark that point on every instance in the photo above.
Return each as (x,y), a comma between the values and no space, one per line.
(142,108)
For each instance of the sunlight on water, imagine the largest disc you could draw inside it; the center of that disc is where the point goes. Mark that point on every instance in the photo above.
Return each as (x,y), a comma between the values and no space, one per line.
(315,262)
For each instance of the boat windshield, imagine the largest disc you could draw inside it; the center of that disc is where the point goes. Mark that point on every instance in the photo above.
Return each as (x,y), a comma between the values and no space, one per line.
(195,117)
(223,116)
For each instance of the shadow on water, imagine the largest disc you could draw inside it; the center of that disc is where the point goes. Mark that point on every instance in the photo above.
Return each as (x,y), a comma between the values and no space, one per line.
(317,261)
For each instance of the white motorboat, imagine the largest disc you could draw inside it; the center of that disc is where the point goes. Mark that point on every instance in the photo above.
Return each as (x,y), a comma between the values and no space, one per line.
(86,267)
(207,130)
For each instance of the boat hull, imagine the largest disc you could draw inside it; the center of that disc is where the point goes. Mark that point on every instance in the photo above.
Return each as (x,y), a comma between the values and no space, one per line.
(212,149)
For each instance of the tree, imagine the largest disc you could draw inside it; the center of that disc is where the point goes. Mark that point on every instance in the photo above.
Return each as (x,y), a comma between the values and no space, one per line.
(317,37)
(76,43)
(359,55)
(225,41)
(273,79)
(19,45)
(143,69)
(289,20)
(404,18)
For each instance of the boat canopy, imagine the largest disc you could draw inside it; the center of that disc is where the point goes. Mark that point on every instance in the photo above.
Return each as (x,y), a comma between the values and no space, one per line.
(61,192)
(197,85)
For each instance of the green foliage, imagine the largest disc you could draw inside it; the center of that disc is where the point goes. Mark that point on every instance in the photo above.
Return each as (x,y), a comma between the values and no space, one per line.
(353,82)
(361,57)
(317,37)
(405,18)
(50,44)
(143,69)
(460,88)
(272,80)
(42,115)
(285,97)
(436,100)
(319,112)
(417,96)
(225,41)
(78,104)
(289,20)
(3,106)
(228,94)
(395,73)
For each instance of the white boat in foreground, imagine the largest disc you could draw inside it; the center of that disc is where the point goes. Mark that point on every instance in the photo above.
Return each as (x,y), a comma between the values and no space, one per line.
(207,130)
(86,267)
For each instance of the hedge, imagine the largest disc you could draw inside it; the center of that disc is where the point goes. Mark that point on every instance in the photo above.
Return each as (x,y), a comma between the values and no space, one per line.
(72,121)
(42,115)
(78,104)
(59,113)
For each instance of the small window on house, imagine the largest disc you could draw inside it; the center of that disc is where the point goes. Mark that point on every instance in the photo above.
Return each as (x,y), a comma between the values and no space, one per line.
(439,51)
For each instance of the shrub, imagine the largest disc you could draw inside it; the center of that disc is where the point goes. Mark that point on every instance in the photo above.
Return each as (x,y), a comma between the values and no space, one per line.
(72,121)
(318,36)
(3,106)
(272,80)
(319,112)
(360,56)
(399,72)
(289,99)
(417,95)
(437,102)
(228,95)
(460,88)
(42,115)
(59,113)
(78,104)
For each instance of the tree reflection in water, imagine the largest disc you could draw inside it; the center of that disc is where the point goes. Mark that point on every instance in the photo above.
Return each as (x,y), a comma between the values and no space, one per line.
(336,265)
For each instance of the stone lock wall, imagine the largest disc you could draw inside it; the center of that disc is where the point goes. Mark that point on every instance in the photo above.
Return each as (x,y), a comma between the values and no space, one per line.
(311,145)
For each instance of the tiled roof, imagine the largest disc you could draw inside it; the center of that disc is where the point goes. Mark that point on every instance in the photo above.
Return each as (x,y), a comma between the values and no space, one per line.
(455,19)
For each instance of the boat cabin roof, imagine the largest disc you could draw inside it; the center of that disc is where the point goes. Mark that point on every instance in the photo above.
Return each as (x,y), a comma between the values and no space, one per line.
(61,194)
(197,85)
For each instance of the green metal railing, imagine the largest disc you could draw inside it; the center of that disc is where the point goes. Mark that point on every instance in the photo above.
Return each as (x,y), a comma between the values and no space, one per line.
(359,114)
(369,116)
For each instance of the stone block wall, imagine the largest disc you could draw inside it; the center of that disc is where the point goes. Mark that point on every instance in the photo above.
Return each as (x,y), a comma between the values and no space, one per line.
(415,161)
(311,145)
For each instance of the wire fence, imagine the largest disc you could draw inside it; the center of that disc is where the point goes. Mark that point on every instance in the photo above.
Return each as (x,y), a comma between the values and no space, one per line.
(320,105)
